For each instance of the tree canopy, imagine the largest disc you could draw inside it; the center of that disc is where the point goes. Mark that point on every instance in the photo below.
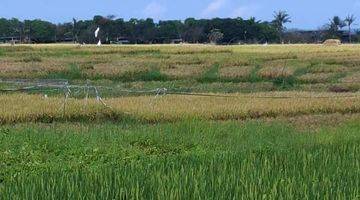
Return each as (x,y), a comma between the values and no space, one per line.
(191,30)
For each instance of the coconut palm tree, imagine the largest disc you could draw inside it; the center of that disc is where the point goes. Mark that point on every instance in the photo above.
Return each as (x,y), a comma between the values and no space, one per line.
(334,25)
(349,20)
(280,18)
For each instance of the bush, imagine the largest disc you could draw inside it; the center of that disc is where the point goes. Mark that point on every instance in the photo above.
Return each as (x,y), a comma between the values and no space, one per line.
(284,82)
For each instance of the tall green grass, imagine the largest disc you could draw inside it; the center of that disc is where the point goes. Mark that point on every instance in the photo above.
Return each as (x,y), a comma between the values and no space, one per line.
(185,160)
(73,72)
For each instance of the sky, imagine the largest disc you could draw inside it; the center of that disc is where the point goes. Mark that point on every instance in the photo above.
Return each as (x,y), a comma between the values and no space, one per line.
(305,14)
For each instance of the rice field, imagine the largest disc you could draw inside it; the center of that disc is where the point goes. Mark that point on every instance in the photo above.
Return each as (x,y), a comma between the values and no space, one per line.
(149,109)
(298,67)
(180,122)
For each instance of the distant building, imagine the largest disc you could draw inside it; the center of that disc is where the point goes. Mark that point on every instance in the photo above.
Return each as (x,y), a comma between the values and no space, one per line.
(11,39)
(121,40)
(176,41)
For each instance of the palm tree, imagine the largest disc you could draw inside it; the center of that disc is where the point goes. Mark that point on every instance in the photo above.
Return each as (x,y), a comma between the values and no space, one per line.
(349,20)
(281,18)
(74,31)
(335,24)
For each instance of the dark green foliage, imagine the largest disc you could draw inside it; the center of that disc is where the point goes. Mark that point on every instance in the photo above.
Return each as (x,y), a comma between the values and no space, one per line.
(284,82)
(140,31)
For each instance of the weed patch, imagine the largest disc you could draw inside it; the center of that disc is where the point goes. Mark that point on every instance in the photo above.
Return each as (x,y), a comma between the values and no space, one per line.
(211,75)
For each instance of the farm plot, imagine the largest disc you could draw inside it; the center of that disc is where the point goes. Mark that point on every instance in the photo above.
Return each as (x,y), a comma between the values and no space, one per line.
(179,122)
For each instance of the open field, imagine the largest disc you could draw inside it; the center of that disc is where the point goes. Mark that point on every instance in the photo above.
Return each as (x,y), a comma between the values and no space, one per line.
(180,122)
(196,67)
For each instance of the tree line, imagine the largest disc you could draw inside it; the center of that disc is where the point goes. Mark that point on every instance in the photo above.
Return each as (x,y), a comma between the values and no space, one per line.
(191,30)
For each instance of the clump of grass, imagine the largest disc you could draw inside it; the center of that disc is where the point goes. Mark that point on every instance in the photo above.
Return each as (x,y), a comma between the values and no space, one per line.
(338,76)
(254,77)
(284,82)
(73,72)
(153,74)
(301,71)
(211,75)
(32,58)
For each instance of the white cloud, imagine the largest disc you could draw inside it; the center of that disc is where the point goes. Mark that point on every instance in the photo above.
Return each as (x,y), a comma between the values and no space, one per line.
(154,10)
(244,11)
(213,7)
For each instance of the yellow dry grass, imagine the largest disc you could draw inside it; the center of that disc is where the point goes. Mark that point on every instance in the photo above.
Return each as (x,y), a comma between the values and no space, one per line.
(22,108)
(235,72)
(323,68)
(14,69)
(316,78)
(275,72)
(352,78)
(17,108)
(332,42)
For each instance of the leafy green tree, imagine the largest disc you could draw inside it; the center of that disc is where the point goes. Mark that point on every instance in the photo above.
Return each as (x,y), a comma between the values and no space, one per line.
(146,30)
(40,31)
(10,28)
(140,30)
(194,30)
(168,30)
(64,32)
(215,36)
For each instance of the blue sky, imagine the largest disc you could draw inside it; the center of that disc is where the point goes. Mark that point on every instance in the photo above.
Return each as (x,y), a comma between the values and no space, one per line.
(306,14)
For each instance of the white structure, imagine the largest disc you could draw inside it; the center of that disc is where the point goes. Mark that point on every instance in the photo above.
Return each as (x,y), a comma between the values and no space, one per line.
(97,32)
(96,36)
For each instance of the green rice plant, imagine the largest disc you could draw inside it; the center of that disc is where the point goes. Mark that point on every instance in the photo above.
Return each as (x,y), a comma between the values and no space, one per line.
(185,160)
(211,75)
(254,75)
